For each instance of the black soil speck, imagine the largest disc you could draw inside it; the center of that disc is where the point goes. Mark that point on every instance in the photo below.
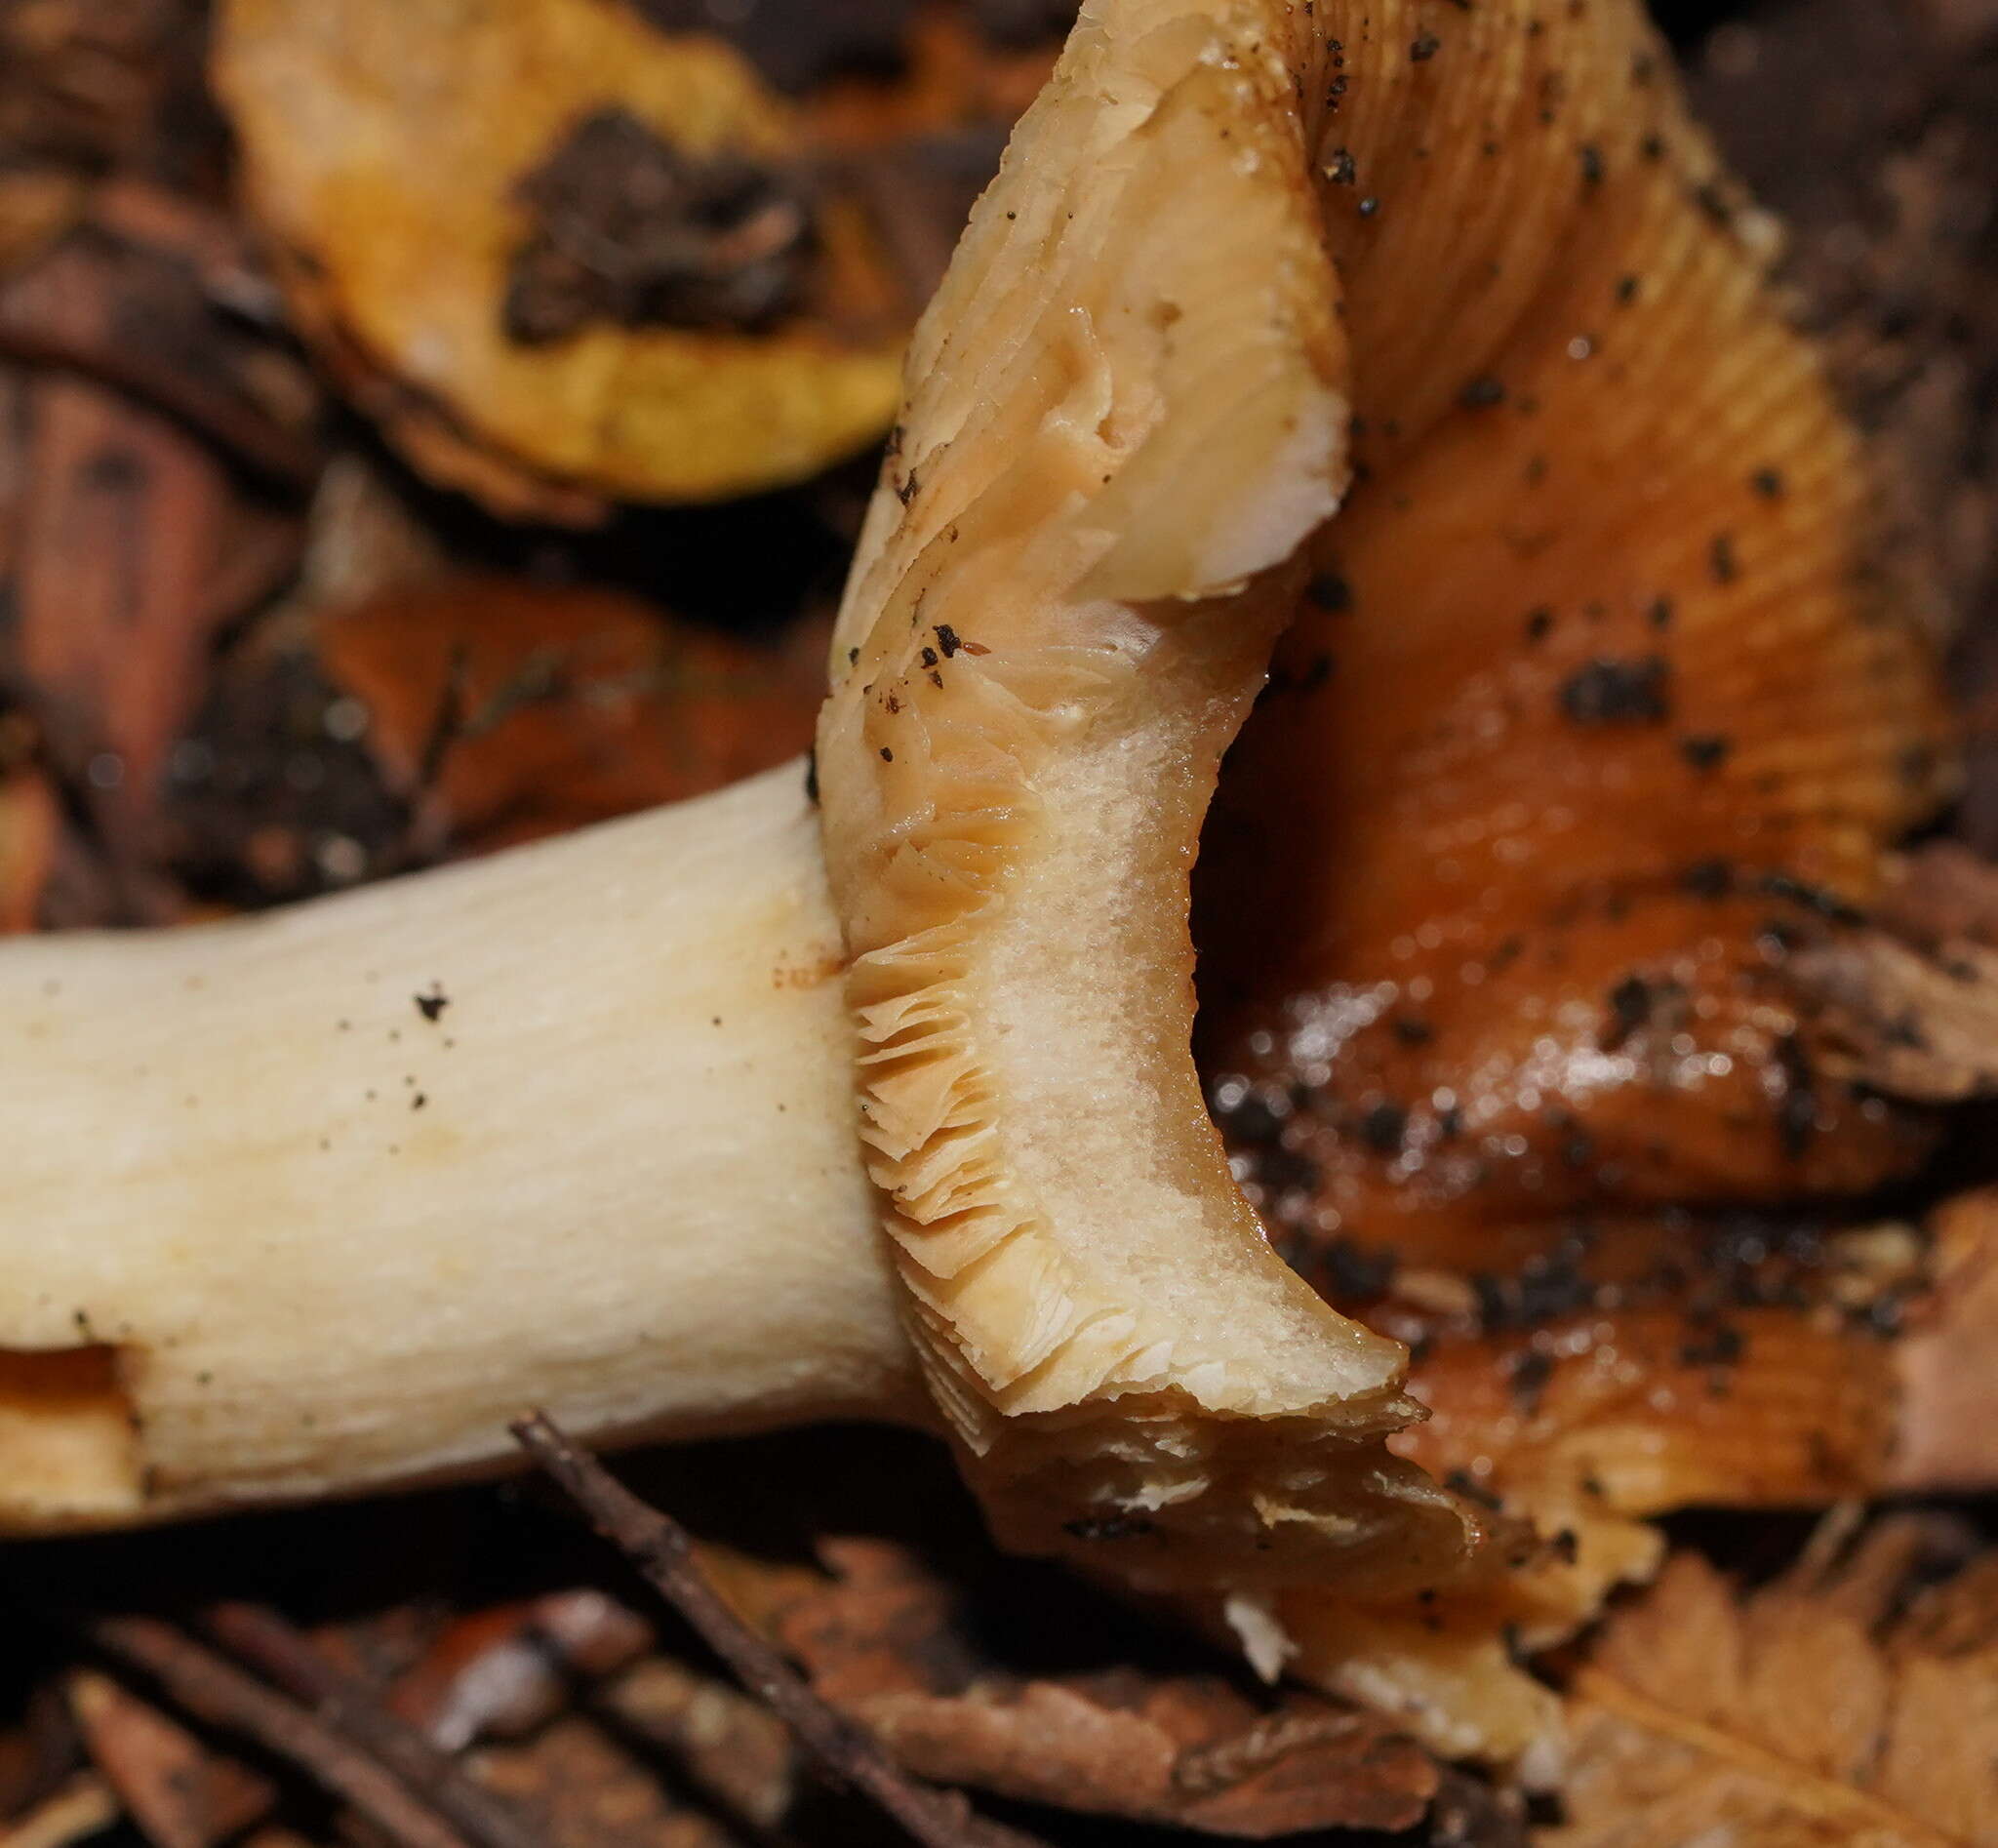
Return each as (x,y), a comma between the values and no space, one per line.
(1331,592)
(1527,1378)
(1605,692)
(1631,1002)
(1385,1128)
(1111,1527)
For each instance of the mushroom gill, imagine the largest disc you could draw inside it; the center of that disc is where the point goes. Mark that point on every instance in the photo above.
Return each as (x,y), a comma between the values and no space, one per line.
(1597,711)
(1593,684)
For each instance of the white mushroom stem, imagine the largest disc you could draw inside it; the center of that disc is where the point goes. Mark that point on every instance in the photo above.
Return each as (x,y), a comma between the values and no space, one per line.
(268,1231)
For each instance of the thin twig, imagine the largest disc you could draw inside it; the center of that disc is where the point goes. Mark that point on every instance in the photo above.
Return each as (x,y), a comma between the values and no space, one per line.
(216,1691)
(662,1551)
(264,1639)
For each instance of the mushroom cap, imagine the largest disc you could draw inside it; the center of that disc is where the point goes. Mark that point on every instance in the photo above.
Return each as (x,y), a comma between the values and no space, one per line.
(1490,245)
(389,152)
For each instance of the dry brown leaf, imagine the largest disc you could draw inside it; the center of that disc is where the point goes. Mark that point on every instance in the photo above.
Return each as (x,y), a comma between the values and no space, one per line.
(37,205)
(95,82)
(1910,1024)
(506,1672)
(1941,892)
(1840,1705)
(179,1794)
(84,1807)
(30,827)
(160,296)
(582,1789)
(729,1745)
(518,710)
(918,143)
(454,715)
(1948,1361)
(125,545)
(954,70)
(364,536)
(887,1644)
(431,172)
(500,1673)
(278,1835)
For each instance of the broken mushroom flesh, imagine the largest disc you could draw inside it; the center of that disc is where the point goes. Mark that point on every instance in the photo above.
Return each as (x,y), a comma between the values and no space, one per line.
(1062,608)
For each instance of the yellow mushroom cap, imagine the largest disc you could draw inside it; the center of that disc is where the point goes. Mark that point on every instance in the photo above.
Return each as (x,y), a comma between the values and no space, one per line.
(388,151)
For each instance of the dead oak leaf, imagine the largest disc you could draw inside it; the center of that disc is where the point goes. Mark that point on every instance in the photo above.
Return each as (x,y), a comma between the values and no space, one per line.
(888,1645)
(83,1808)
(37,205)
(109,641)
(1947,1359)
(1839,1705)
(178,1791)
(1939,893)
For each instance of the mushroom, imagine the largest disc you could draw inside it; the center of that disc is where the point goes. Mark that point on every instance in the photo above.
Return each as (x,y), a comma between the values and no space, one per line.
(577,1125)
(559,256)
